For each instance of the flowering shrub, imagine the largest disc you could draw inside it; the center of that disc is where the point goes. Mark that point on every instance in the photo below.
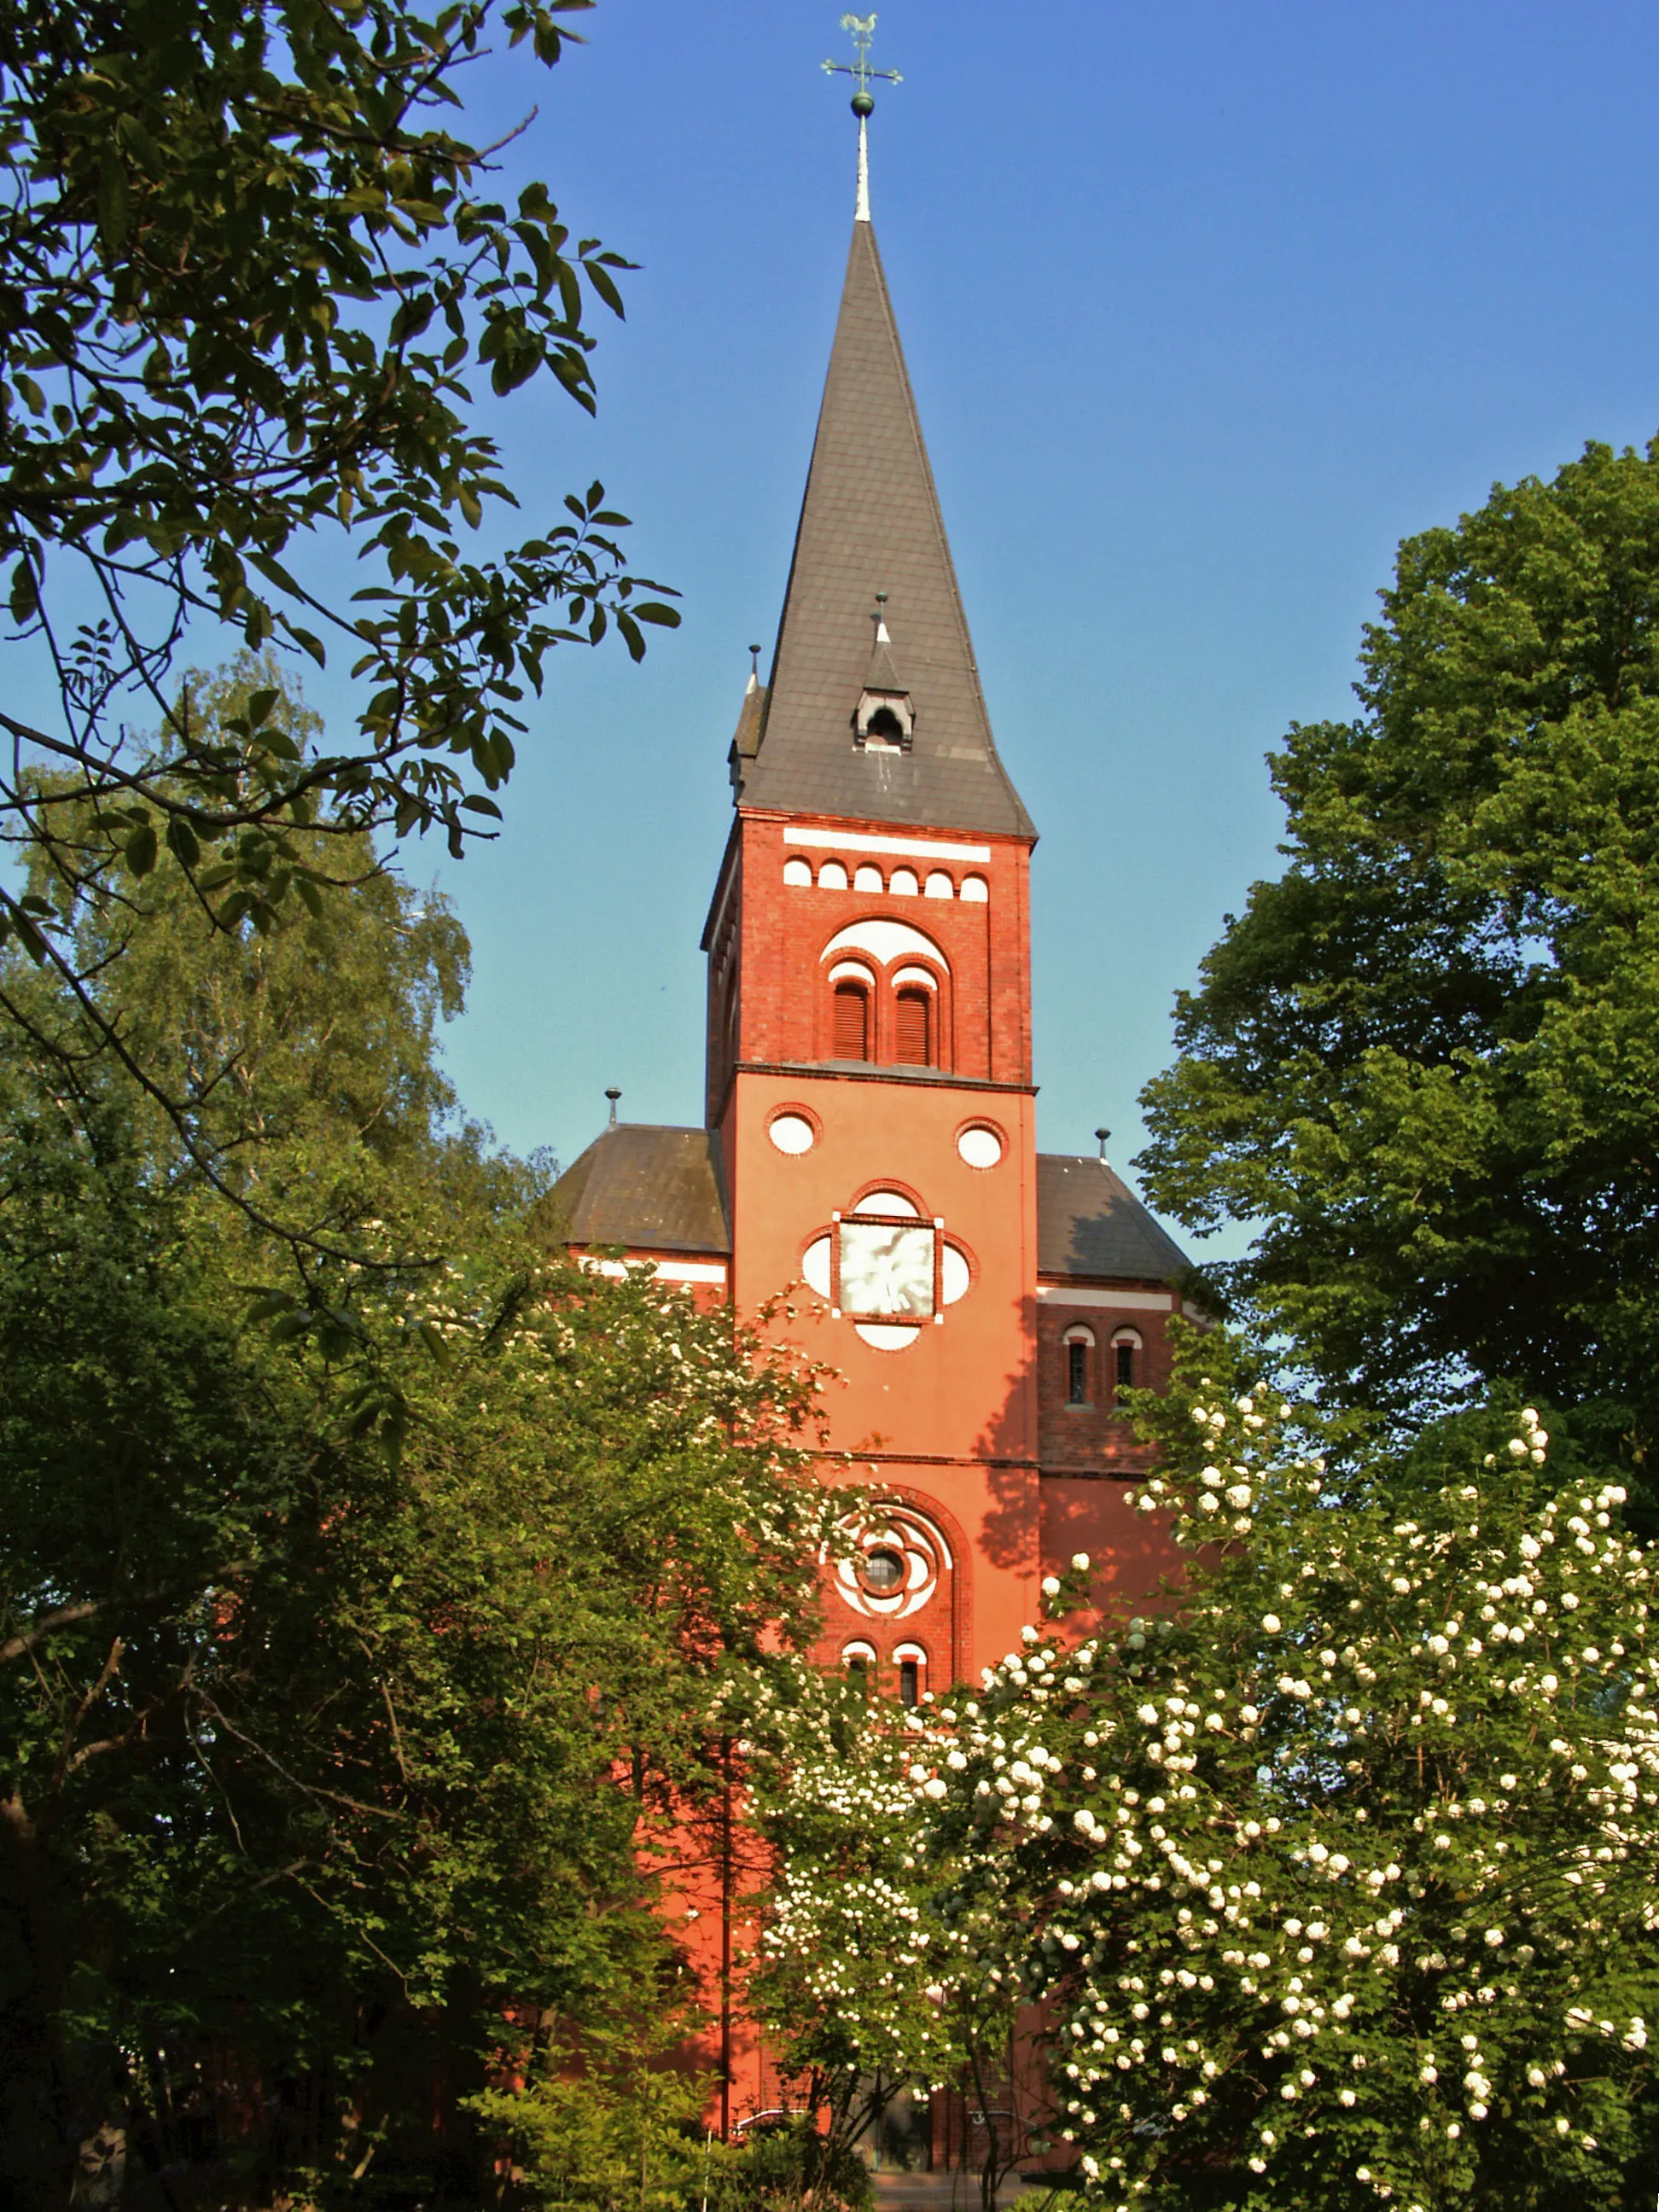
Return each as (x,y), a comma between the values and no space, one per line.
(866,1985)
(1337,1879)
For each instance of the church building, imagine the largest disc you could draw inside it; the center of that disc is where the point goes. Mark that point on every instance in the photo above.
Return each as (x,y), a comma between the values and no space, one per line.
(868,1142)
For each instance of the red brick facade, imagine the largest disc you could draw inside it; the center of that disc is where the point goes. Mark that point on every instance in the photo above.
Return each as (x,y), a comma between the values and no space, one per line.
(768,994)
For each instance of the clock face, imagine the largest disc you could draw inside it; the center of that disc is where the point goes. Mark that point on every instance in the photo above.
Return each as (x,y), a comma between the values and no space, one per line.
(887,1268)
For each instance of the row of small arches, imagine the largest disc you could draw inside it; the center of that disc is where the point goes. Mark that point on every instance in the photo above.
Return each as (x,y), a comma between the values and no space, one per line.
(904,883)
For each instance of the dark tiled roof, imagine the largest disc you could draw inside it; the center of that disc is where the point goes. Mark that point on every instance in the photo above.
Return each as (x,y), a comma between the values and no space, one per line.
(745,738)
(653,1189)
(1091,1223)
(869,523)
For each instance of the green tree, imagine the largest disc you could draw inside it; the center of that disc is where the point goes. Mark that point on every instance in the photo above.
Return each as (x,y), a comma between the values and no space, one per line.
(1422,1065)
(354,1670)
(1336,1878)
(247,266)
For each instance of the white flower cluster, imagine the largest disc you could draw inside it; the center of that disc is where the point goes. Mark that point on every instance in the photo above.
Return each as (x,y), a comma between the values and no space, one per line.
(1379,1770)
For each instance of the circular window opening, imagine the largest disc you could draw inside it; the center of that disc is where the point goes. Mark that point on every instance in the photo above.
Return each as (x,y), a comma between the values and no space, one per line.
(881,1570)
(792,1133)
(979,1147)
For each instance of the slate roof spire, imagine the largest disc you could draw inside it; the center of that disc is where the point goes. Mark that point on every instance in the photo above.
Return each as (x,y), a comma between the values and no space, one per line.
(869,523)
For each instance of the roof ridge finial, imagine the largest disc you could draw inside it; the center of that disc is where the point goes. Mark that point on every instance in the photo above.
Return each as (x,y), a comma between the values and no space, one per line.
(862,28)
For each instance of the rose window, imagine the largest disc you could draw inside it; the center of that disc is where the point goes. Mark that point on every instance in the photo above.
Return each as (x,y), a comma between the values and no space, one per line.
(895,1563)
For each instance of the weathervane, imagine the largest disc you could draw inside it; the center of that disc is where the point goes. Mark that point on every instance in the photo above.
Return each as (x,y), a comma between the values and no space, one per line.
(863,28)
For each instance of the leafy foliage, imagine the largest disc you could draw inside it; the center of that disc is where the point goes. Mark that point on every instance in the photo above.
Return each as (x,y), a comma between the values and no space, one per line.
(246,269)
(327,1766)
(613,2125)
(1422,1064)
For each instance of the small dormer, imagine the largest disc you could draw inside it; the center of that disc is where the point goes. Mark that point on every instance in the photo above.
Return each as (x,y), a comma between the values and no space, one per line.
(885,717)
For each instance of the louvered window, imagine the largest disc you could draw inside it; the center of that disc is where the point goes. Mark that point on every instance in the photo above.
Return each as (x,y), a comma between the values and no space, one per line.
(852,1023)
(915,1023)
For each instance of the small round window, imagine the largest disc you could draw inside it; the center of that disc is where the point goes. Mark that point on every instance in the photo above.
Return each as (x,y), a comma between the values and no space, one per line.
(792,1133)
(881,1570)
(979,1147)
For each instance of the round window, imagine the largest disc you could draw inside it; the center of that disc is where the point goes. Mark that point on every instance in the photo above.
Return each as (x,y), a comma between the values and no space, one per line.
(979,1147)
(792,1133)
(882,1571)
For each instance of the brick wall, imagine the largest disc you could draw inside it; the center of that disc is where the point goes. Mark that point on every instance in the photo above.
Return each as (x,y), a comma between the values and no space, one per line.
(1093,1438)
(776,934)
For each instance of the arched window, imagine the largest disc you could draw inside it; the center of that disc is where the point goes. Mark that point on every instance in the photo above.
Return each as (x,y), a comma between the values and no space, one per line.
(885,727)
(1078,1349)
(913,1042)
(912,1672)
(1125,1358)
(851,1031)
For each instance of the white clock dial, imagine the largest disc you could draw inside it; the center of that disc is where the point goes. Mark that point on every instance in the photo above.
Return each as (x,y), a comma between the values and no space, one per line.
(886,1268)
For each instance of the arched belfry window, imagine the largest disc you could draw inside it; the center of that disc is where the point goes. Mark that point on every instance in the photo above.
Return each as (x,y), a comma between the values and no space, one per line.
(913,1037)
(850,1017)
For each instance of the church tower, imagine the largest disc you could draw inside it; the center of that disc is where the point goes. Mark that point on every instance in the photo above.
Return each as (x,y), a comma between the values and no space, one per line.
(869,1031)
(869,1146)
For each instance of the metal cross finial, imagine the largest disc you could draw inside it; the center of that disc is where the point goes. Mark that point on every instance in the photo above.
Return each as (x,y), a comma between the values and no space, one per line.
(863,28)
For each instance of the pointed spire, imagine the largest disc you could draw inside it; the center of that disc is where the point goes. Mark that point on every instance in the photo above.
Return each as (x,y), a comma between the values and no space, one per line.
(870,522)
(880,675)
(745,738)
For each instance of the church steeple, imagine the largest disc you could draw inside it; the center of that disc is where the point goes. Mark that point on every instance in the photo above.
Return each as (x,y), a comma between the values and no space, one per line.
(870,525)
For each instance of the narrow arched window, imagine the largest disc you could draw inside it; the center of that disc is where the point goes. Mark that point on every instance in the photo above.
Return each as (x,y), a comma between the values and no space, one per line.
(914,1040)
(851,1039)
(912,1674)
(1126,1358)
(1078,1349)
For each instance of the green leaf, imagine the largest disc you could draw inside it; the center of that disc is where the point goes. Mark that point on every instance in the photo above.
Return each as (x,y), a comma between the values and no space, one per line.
(604,284)
(274,572)
(260,706)
(141,850)
(25,599)
(114,214)
(182,840)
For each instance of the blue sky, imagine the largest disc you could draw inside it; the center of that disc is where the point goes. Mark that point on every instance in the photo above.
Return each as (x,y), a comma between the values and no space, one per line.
(1205,307)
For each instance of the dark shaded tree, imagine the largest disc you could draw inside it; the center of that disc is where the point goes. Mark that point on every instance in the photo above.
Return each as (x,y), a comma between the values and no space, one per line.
(1423,1064)
(355,1664)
